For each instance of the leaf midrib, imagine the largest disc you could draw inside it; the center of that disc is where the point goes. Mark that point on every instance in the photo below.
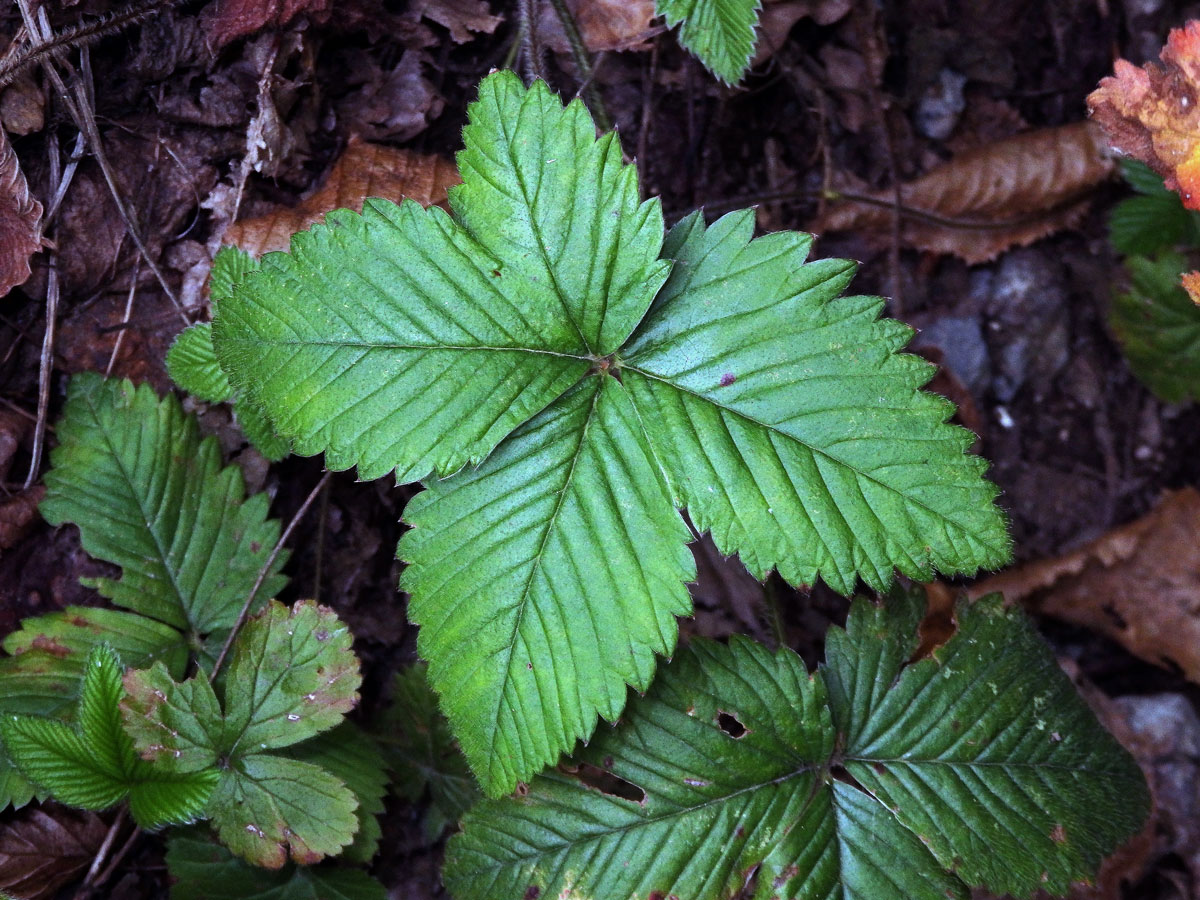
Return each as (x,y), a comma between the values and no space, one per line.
(818,451)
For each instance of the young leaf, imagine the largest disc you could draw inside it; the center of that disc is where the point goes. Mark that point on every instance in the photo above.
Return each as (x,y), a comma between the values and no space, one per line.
(1158,327)
(579,560)
(406,339)
(152,497)
(192,365)
(730,765)
(720,33)
(353,756)
(798,430)
(422,753)
(292,676)
(202,870)
(93,765)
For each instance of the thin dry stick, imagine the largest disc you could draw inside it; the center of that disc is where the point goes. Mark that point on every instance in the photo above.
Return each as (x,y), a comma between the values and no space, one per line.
(77,103)
(133,283)
(101,854)
(262,574)
(579,53)
(46,363)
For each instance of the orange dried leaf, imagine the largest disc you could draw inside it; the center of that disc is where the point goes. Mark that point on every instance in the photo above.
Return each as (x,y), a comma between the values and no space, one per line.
(363,170)
(20,220)
(41,849)
(1138,584)
(1153,113)
(1191,284)
(986,200)
(603,24)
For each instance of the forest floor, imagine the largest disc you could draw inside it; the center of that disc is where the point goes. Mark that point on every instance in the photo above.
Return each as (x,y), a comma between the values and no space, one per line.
(219,117)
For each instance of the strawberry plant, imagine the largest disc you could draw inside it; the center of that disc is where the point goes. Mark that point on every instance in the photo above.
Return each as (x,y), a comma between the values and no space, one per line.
(565,378)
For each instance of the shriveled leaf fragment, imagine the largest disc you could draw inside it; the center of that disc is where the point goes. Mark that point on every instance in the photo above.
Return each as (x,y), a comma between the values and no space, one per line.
(421,752)
(152,497)
(352,755)
(227,20)
(789,425)
(1004,194)
(292,675)
(1151,113)
(1158,327)
(363,170)
(720,33)
(93,765)
(724,768)
(1137,584)
(603,25)
(20,220)
(46,847)
(18,514)
(203,870)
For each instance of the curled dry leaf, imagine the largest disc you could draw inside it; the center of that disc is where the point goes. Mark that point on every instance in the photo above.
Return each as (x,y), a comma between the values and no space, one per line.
(43,848)
(1153,113)
(363,170)
(462,18)
(603,24)
(20,220)
(1138,584)
(986,200)
(227,20)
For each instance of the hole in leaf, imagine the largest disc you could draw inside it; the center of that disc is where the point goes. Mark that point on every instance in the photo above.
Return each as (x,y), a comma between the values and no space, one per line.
(730,725)
(608,783)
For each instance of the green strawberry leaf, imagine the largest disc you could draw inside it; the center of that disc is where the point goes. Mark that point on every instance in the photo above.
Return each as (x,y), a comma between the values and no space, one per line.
(292,675)
(572,537)
(530,349)
(1154,220)
(874,778)
(192,365)
(92,765)
(720,33)
(77,630)
(350,754)
(151,497)
(1158,327)
(203,870)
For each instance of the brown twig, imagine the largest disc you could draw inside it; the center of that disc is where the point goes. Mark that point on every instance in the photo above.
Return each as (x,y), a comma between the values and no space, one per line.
(133,283)
(90,879)
(46,360)
(587,87)
(531,44)
(262,575)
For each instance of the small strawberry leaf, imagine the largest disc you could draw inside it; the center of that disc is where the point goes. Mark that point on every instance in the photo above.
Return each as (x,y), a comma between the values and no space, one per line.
(152,497)
(192,365)
(720,33)
(877,777)
(422,753)
(92,765)
(203,870)
(1154,220)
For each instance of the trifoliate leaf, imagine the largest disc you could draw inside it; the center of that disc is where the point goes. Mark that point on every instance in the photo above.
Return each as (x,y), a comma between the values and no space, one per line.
(984,744)
(73,633)
(720,33)
(507,339)
(1158,327)
(292,675)
(790,426)
(422,753)
(1153,221)
(872,779)
(192,365)
(93,765)
(267,806)
(150,496)
(203,870)
(579,570)
(351,755)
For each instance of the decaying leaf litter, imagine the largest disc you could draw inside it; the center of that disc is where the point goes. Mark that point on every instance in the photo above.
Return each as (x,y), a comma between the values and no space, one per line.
(223,116)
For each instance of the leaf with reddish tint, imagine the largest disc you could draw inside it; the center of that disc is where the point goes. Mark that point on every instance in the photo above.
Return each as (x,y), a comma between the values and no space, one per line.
(20,220)
(228,20)
(44,848)
(1152,113)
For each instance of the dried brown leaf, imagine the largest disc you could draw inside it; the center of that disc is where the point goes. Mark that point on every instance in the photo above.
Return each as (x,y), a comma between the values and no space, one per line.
(20,220)
(228,20)
(778,16)
(462,18)
(43,848)
(1153,113)
(1138,584)
(603,24)
(18,513)
(364,170)
(986,200)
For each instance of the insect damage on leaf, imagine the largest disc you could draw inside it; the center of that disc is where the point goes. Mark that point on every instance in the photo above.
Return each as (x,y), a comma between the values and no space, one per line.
(1152,113)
